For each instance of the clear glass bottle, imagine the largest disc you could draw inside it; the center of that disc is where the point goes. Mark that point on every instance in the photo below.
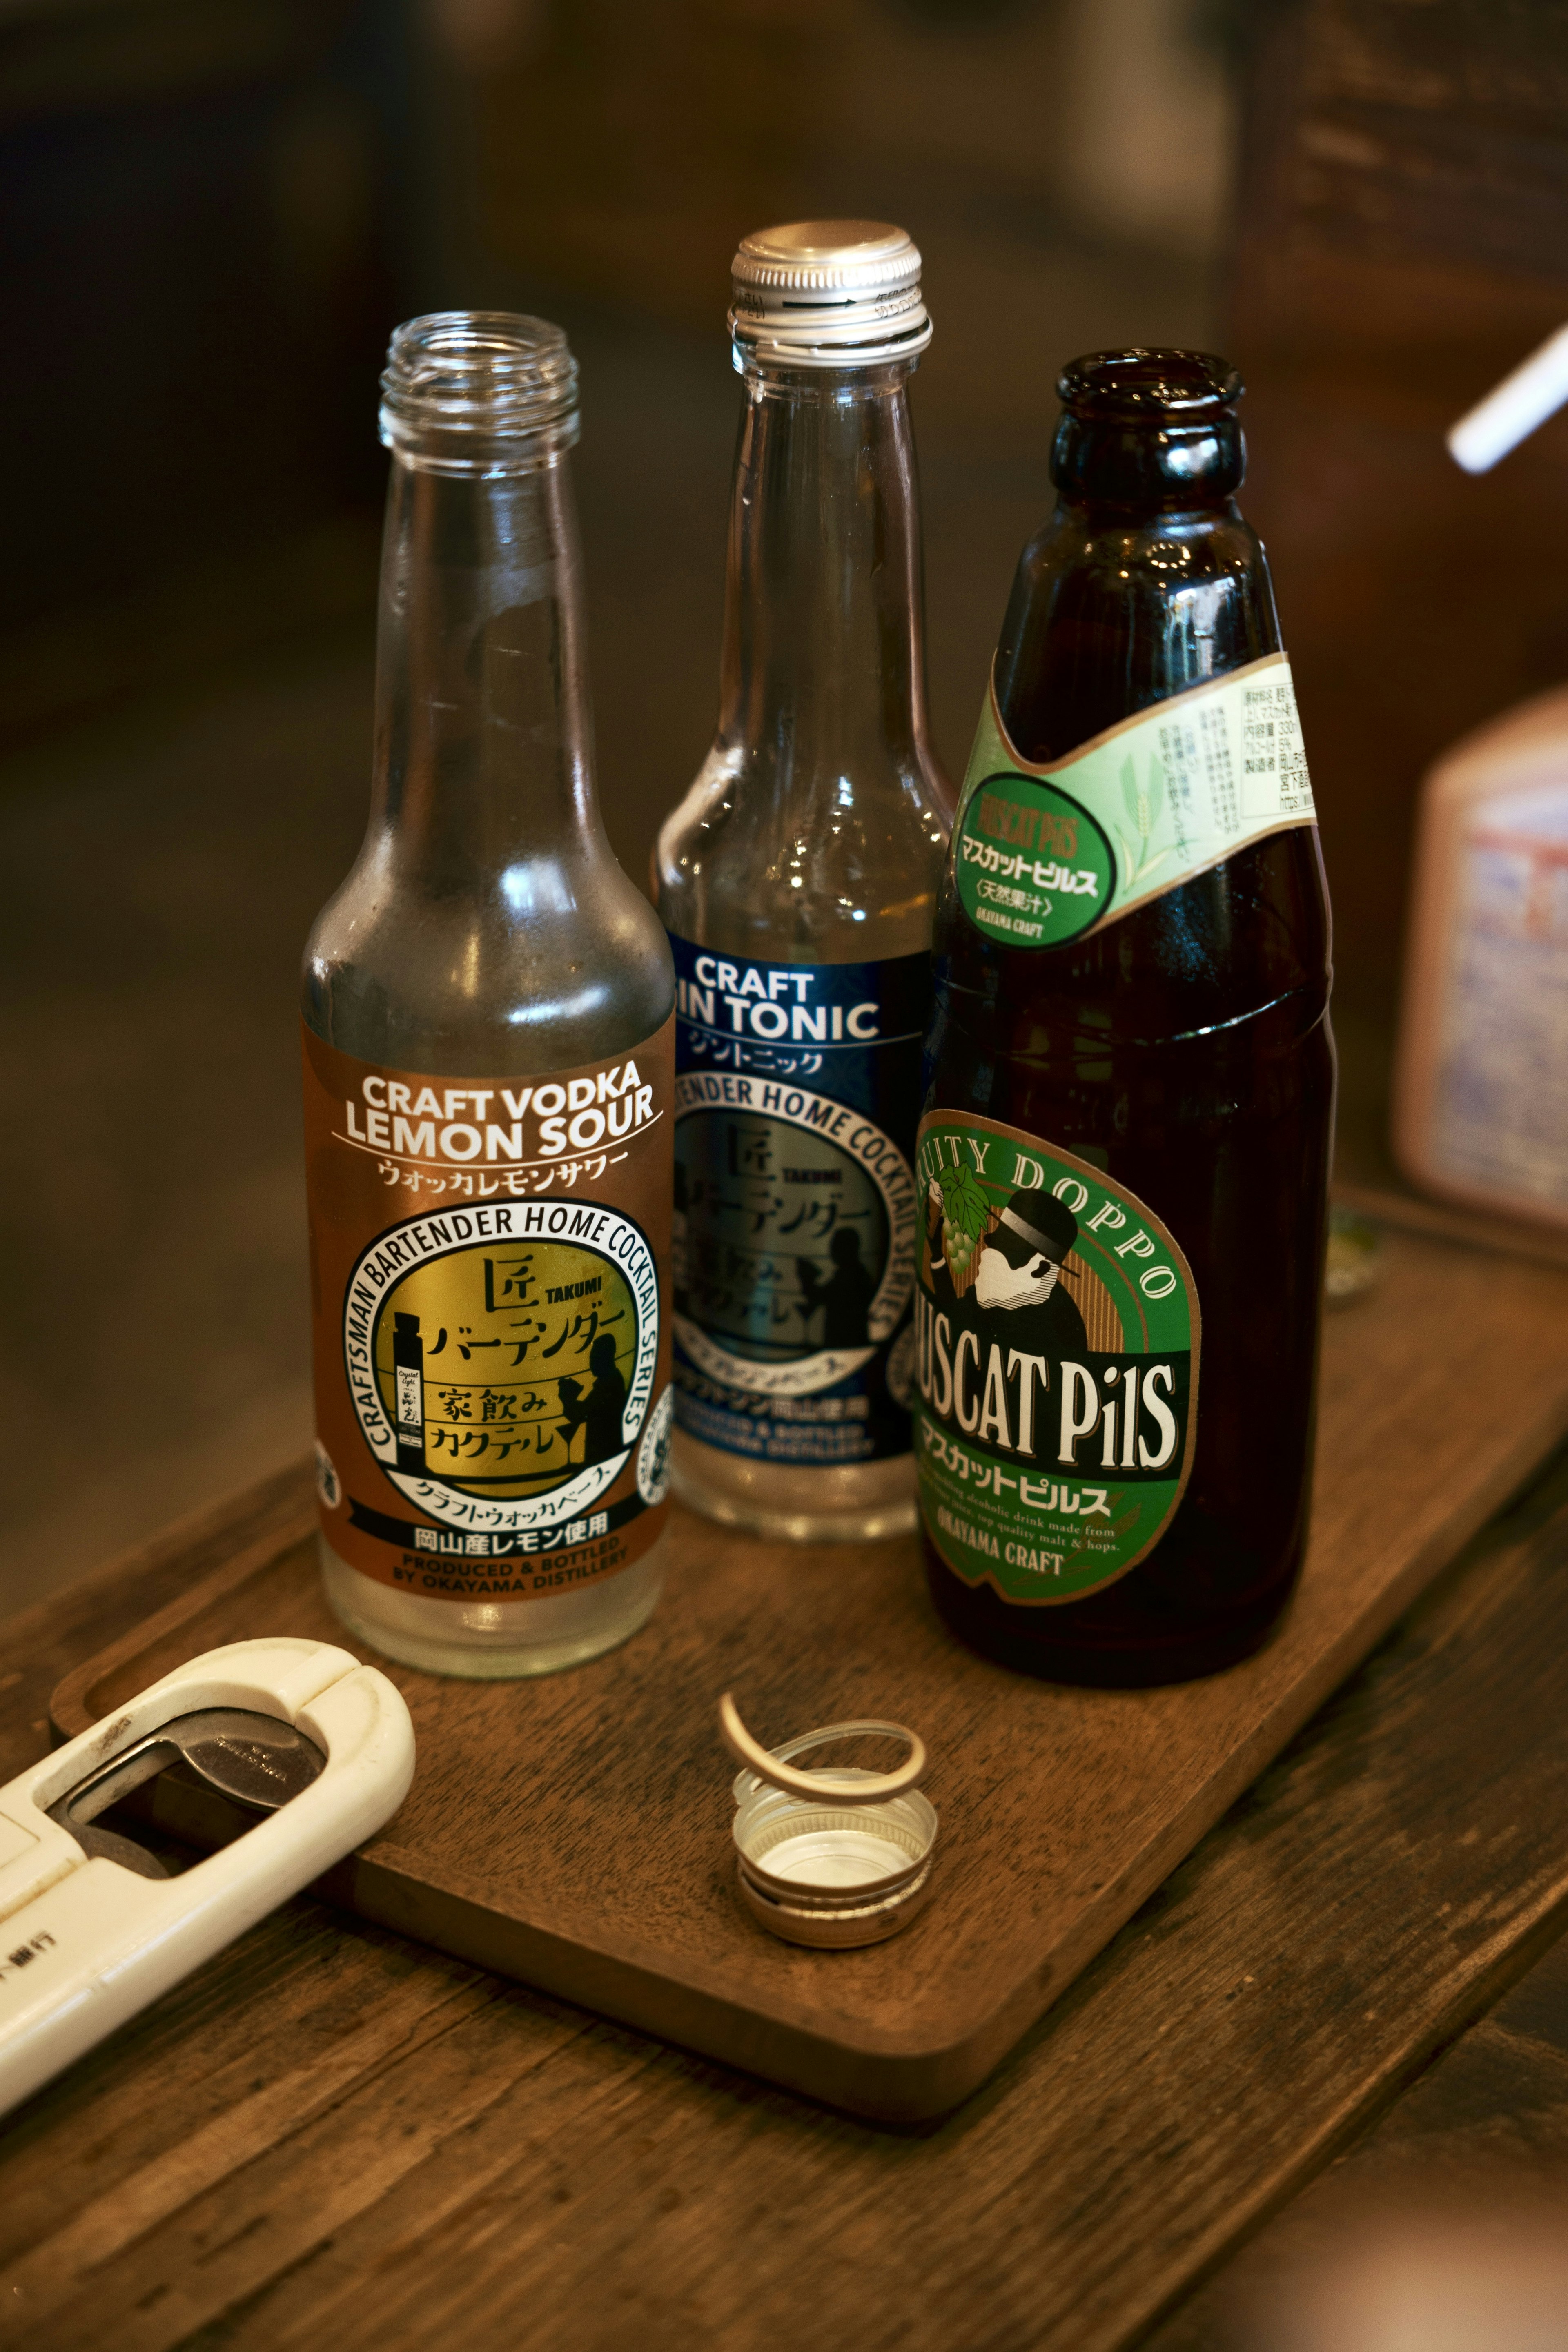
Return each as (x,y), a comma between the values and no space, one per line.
(798,881)
(486,932)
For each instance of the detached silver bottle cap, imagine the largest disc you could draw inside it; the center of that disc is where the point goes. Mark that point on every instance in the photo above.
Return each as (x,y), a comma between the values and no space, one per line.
(828,294)
(833,1859)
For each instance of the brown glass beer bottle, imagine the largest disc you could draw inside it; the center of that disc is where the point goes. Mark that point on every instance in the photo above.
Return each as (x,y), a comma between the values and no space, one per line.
(1124,1150)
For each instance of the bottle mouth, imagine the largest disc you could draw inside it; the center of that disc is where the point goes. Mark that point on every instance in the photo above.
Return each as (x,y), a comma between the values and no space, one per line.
(827,294)
(1141,385)
(469,392)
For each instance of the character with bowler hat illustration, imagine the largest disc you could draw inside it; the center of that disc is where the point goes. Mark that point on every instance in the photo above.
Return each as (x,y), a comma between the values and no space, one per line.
(1017,1297)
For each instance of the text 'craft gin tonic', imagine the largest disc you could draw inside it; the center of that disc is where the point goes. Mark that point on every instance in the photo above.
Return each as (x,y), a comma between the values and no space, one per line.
(798,881)
(489,1072)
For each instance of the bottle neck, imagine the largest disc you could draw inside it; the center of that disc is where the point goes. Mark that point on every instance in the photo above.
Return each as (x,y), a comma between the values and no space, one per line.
(823,670)
(1146,465)
(483,741)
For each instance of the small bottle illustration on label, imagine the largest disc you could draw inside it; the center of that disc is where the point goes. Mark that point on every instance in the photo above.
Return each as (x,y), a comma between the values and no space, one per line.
(408,1361)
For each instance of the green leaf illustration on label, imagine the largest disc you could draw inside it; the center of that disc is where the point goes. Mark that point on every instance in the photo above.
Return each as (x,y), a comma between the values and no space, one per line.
(1058,1335)
(962,1214)
(1144,803)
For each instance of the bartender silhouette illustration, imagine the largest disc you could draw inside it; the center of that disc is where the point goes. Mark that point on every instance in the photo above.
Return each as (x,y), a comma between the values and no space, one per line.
(846,1296)
(600,1417)
(1016,1299)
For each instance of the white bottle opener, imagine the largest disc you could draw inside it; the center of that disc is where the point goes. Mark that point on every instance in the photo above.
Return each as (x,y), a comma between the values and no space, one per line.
(91,1929)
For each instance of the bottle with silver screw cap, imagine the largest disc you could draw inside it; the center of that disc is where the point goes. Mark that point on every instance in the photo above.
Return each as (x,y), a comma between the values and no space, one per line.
(797,880)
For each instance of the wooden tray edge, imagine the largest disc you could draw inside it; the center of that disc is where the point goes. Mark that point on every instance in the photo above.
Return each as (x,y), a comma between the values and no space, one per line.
(1435,1220)
(69,1715)
(878,2086)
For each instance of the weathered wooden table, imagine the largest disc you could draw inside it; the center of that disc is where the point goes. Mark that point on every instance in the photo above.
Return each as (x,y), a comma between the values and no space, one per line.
(333,2136)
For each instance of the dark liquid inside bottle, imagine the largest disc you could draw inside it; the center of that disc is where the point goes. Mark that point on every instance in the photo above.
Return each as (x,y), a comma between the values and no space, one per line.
(1184,1049)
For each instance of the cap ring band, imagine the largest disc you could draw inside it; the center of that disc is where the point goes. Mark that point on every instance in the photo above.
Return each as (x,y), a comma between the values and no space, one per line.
(827,294)
(775,1766)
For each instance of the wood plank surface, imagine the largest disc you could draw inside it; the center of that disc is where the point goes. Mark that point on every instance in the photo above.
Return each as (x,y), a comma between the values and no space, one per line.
(1399,249)
(330,2136)
(1475,2152)
(575,1832)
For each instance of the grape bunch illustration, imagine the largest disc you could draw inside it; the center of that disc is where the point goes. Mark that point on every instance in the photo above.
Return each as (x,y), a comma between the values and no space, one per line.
(964,1216)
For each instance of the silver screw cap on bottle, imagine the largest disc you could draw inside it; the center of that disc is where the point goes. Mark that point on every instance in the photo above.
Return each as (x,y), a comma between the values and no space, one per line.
(837,294)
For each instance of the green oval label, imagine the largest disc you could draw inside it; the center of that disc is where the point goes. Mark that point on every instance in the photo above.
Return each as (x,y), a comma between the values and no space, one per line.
(1033,868)
(1057,1336)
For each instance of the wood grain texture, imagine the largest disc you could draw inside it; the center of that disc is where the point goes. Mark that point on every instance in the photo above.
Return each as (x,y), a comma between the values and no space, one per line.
(1479,2140)
(330,2137)
(1399,249)
(575,1833)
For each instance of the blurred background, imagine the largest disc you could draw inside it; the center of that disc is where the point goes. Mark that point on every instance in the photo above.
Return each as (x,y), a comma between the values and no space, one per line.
(217,210)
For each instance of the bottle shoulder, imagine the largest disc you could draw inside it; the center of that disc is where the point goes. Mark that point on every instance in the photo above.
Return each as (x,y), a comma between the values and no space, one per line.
(840,869)
(560,962)
(1201,542)
(1112,613)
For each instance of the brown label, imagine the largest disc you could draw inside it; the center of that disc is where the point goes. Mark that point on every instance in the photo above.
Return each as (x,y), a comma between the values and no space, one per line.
(488,1260)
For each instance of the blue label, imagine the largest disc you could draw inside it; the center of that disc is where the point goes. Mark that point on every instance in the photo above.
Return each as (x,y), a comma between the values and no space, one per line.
(796,1098)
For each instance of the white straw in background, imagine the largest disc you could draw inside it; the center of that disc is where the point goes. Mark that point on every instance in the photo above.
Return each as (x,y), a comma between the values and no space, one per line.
(1537,387)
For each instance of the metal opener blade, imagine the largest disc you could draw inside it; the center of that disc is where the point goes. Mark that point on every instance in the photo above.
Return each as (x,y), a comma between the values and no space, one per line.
(253,1758)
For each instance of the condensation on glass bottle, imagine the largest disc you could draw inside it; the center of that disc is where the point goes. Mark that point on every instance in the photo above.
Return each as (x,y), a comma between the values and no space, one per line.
(489,1072)
(1124,1151)
(798,881)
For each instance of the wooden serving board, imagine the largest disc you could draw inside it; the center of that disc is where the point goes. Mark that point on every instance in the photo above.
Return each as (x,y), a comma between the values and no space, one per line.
(574,1831)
